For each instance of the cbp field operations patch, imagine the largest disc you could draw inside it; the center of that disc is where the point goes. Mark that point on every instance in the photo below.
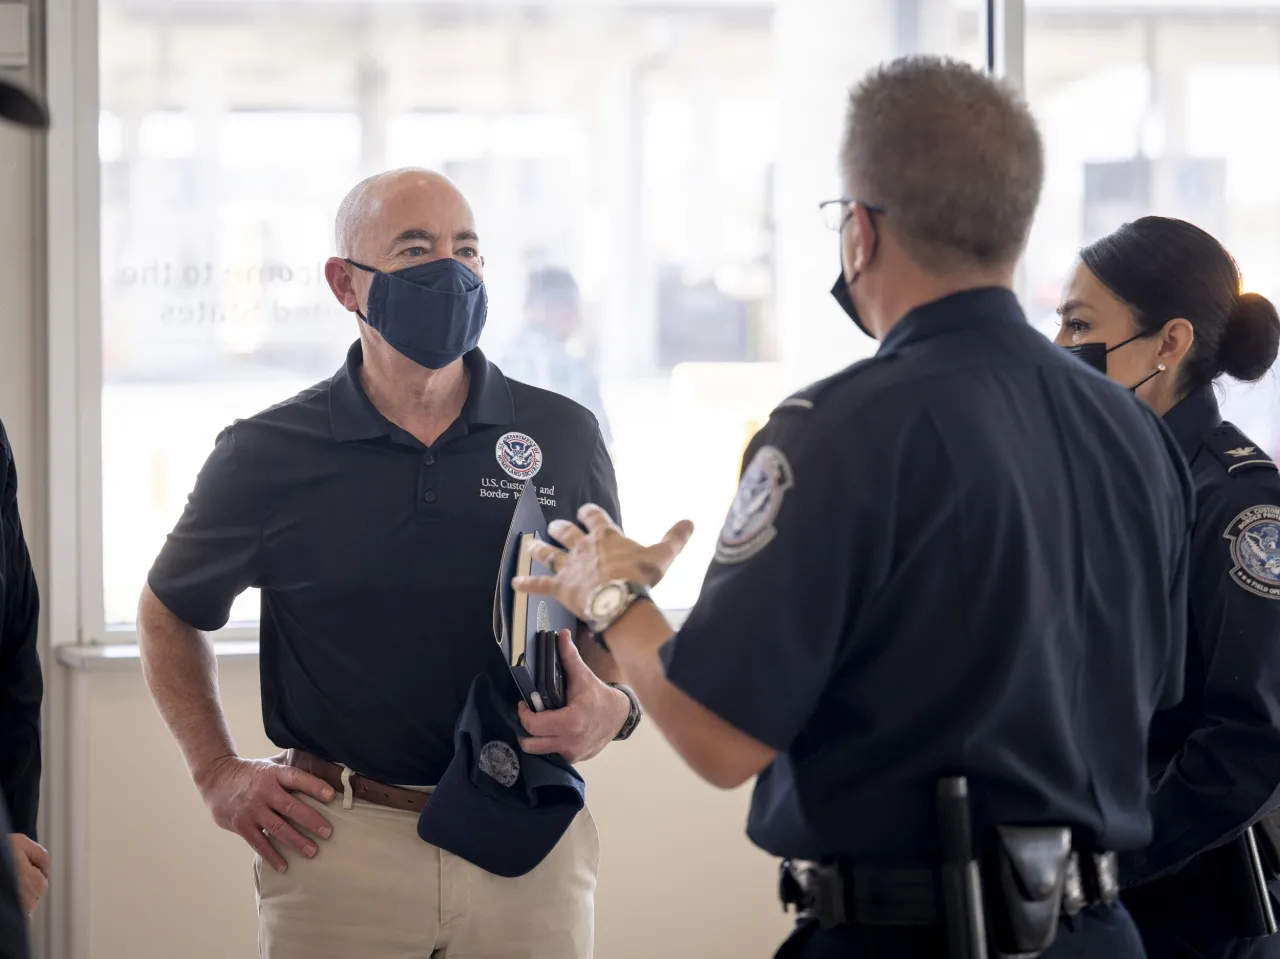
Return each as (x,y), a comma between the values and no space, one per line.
(499,761)
(749,527)
(519,456)
(1255,550)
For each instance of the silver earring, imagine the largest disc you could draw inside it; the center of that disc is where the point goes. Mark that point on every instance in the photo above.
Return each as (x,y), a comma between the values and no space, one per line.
(1160,367)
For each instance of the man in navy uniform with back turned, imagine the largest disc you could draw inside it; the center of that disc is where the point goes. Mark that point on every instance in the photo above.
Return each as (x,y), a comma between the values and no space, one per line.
(24,864)
(964,557)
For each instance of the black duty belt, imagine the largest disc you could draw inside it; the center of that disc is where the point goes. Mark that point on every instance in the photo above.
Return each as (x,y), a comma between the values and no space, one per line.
(836,893)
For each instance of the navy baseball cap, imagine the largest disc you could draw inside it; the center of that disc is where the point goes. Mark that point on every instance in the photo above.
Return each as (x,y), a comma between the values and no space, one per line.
(22,106)
(496,806)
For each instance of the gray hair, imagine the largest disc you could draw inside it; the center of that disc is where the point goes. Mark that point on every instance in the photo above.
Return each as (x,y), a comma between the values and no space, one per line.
(954,156)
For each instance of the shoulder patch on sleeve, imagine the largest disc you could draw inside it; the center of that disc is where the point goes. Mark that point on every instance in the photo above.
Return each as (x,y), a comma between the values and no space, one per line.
(1255,550)
(794,403)
(1234,450)
(749,527)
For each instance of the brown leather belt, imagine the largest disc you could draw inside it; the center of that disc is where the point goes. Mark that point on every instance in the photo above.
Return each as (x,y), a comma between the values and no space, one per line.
(393,797)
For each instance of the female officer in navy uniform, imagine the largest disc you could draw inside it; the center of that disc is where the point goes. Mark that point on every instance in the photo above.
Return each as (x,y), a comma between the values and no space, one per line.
(1157,306)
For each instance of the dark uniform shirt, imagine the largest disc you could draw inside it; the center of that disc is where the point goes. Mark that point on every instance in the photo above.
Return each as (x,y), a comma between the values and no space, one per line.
(377,557)
(1215,758)
(21,683)
(13,924)
(961,556)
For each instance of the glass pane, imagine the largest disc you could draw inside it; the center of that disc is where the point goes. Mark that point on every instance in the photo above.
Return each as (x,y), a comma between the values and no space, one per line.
(671,155)
(1164,110)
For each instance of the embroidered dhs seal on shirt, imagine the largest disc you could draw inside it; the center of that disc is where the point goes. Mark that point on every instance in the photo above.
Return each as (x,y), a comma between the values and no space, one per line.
(749,527)
(519,456)
(1255,550)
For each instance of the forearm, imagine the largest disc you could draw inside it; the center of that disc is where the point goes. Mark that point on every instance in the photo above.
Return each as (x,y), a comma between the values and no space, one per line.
(181,671)
(720,753)
(599,659)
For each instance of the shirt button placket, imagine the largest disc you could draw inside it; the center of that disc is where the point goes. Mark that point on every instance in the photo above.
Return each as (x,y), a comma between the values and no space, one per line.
(429,483)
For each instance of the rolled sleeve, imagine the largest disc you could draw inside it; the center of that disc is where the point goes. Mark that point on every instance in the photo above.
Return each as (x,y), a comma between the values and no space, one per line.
(215,551)
(761,643)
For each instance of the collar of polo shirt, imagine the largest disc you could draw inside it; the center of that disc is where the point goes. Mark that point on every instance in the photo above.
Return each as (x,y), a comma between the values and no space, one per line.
(354,417)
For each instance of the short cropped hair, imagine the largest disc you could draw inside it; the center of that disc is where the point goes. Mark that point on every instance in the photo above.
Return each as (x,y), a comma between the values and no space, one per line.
(953,155)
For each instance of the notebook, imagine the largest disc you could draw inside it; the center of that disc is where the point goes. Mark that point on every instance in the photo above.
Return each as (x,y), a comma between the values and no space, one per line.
(526,627)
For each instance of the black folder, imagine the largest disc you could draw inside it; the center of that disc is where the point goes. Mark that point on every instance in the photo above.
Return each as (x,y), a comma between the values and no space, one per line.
(526,627)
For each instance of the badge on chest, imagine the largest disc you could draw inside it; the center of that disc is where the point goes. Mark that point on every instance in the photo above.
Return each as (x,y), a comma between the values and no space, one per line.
(520,457)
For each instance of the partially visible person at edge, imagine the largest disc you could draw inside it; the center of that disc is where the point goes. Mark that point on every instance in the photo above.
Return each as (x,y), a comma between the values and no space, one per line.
(885,611)
(1157,306)
(539,352)
(24,864)
(371,511)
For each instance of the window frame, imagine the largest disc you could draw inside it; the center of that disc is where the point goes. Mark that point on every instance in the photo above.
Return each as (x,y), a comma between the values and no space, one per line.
(74,297)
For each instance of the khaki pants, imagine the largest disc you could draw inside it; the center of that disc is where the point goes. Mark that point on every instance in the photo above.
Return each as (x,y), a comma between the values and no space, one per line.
(377,891)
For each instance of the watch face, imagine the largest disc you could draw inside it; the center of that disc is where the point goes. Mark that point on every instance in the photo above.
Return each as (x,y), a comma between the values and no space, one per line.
(607,602)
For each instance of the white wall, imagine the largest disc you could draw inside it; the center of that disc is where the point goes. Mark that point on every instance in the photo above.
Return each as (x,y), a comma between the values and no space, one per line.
(678,878)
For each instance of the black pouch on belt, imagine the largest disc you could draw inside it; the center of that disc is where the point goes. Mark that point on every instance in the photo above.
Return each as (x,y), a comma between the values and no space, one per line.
(1025,874)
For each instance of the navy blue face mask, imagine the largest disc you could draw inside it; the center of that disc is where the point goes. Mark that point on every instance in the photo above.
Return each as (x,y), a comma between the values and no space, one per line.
(433,313)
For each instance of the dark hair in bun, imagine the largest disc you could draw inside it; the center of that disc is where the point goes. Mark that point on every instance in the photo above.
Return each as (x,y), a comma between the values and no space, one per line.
(1165,268)
(1251,340)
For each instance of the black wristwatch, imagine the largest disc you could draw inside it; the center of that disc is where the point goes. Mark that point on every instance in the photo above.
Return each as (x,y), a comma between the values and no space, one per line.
(633,717)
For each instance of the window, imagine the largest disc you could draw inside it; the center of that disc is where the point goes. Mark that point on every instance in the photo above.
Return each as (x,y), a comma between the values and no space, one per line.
(671,155)
(1159,109)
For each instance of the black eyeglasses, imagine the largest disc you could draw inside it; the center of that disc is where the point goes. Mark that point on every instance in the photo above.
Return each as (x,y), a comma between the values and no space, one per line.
(836,212)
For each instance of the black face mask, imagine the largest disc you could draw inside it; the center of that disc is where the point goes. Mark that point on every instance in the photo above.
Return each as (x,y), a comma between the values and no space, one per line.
(841,292)
(1095,355)
(842,286)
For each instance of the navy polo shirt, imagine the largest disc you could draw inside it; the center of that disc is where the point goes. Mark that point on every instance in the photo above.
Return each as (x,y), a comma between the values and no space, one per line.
(377,557)
(962,556)
(1215,758)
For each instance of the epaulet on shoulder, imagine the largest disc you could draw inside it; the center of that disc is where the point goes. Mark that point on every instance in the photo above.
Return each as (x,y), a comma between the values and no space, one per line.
(808,398)
(1234,450)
